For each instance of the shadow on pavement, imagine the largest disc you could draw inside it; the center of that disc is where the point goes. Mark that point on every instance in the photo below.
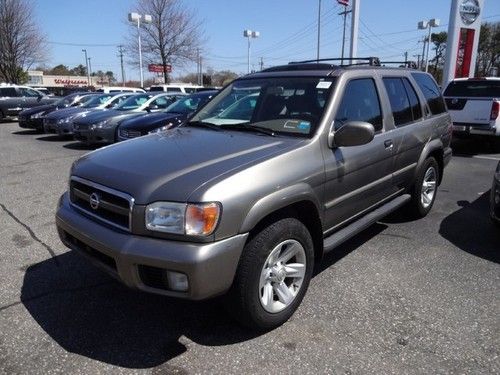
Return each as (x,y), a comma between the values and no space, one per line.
(53,138)
(27,132)
(87,312)
(471,229)
(81,146)
(475,146)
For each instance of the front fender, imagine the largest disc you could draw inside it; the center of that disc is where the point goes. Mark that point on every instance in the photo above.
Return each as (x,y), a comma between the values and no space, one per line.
(278,200)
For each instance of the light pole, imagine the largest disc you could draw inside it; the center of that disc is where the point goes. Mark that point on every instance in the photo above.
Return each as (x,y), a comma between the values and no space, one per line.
(422,25)
(87,65)
(319,29)
(90,69)
(250,34)
(146,18)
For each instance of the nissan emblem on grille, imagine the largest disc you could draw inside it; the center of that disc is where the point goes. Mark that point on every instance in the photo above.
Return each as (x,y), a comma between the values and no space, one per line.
(94,201)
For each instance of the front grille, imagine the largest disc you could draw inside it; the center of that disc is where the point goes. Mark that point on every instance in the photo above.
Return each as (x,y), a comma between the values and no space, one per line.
(90,251)
(124,133)
(103,203)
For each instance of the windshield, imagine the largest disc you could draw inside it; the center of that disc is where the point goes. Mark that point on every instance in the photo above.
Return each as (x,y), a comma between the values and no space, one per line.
(96,100)
(189,104)
(281,105)
(133,102)
(479,88)
(116,100)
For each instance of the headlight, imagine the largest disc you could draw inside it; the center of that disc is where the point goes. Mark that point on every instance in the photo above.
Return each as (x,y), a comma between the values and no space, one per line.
(161,129)
(64,120)
(181,218)
(100,124)
(37,115)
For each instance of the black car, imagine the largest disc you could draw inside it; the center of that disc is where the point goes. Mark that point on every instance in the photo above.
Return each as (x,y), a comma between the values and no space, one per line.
(16,98)
(495,197)
(171,117)
(32,118)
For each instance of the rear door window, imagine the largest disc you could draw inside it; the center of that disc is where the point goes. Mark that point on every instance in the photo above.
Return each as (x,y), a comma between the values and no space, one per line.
(404,101)
(360,102)
(431,92)
(416,108)
(8,92)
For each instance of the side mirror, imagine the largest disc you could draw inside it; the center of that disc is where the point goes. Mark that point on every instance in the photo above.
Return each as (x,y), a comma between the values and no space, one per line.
(151,107)
(352,133)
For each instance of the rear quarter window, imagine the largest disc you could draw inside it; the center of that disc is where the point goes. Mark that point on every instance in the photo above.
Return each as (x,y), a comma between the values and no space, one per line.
(431,92)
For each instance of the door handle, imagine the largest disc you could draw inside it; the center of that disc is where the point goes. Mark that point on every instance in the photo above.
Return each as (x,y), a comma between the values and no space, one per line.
(388,144)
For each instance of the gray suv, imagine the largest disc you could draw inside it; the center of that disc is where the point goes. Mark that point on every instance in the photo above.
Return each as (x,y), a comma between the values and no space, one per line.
(276,170)
(13,99)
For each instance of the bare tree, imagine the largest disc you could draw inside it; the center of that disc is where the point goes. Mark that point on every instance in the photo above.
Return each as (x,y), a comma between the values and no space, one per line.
(174,37)
(21,42)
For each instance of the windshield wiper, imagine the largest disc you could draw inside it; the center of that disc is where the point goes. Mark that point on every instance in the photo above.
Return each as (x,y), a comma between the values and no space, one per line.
(202,124)
(251,128)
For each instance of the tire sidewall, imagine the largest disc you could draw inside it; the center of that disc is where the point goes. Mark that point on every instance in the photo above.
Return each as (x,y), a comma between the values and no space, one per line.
(260,247)
(421,210)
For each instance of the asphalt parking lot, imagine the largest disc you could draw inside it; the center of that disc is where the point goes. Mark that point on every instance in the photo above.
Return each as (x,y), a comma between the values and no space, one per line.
(412,297)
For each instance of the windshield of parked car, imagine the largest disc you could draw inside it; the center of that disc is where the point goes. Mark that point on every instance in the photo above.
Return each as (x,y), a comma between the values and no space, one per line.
(188,104)
(116,100)
(292,105)
(133,102)
(96,101)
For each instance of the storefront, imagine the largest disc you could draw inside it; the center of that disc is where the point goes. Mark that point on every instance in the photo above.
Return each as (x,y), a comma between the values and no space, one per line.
(60,84)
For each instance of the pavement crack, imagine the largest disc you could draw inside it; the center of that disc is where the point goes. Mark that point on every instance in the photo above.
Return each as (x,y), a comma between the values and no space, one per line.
(31,233)
(9,305)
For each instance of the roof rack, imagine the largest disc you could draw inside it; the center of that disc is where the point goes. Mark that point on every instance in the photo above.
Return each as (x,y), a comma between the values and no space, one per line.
(372,61)
(406,64)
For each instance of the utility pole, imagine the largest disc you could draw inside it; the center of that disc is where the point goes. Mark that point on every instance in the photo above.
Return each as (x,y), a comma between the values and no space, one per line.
(406,57)
(423,51)
(120,54)
(90,69)
(418,60)
(344,13)
(353,51)
(87,65)
(319,29)
(261,63)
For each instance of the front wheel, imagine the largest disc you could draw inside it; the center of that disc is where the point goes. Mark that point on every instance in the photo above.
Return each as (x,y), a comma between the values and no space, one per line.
(273,275)
(425,188)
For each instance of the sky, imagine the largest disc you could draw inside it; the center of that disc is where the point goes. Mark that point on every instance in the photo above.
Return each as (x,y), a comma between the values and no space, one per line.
(288,30)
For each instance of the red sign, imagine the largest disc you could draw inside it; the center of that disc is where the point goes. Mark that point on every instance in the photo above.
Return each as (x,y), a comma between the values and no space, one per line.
(464,52)
(70,81)
(159,68)
(343,2)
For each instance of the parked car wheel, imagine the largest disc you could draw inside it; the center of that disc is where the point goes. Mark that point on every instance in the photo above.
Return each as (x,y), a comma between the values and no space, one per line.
(425,188)
(273,275)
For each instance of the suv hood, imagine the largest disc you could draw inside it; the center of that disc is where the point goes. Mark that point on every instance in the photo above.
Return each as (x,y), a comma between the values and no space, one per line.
(171,165)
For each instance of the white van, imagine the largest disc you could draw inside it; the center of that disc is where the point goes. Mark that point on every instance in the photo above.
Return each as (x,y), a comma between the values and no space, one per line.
(185,88)
(113,89)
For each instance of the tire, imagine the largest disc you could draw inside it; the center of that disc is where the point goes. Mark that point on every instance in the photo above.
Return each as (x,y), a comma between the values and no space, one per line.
(263,297)
(424,191)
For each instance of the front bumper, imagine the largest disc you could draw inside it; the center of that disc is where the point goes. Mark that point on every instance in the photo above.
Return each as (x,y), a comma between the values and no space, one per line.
(94,136)
(49,126)
(30,123)
(64,129)
(210,267)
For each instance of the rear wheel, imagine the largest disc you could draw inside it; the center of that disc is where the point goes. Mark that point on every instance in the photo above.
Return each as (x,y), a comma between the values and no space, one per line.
(273,275)
(425,188)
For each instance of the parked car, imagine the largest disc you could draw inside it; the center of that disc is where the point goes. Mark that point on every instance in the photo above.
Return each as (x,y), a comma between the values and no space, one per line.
(171,117)
(102,102)
(14,98)
(473,104)
(32,118)
(101,127)
(245,208)
(495,197)
(114,89)
(51,120)
(176,88)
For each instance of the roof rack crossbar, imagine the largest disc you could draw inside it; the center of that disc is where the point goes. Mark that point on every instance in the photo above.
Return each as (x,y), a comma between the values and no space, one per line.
(408,63)
(375,61)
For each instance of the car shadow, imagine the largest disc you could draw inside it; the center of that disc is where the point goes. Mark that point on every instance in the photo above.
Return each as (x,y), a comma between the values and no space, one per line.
(91,314)
(470,229)
(27,132)
(81,146)
(475,146)
(54,138)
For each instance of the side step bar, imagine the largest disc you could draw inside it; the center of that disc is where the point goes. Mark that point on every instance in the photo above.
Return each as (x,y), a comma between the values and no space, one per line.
(334,240)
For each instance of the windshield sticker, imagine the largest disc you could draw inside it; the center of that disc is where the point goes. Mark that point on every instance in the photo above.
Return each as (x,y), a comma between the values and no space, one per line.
(323,84)
(300,126)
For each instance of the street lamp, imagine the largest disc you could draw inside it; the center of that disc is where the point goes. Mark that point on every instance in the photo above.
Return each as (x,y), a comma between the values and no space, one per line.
(90,68)
(250,34)
(87,65)
(422,25)
(146,18)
